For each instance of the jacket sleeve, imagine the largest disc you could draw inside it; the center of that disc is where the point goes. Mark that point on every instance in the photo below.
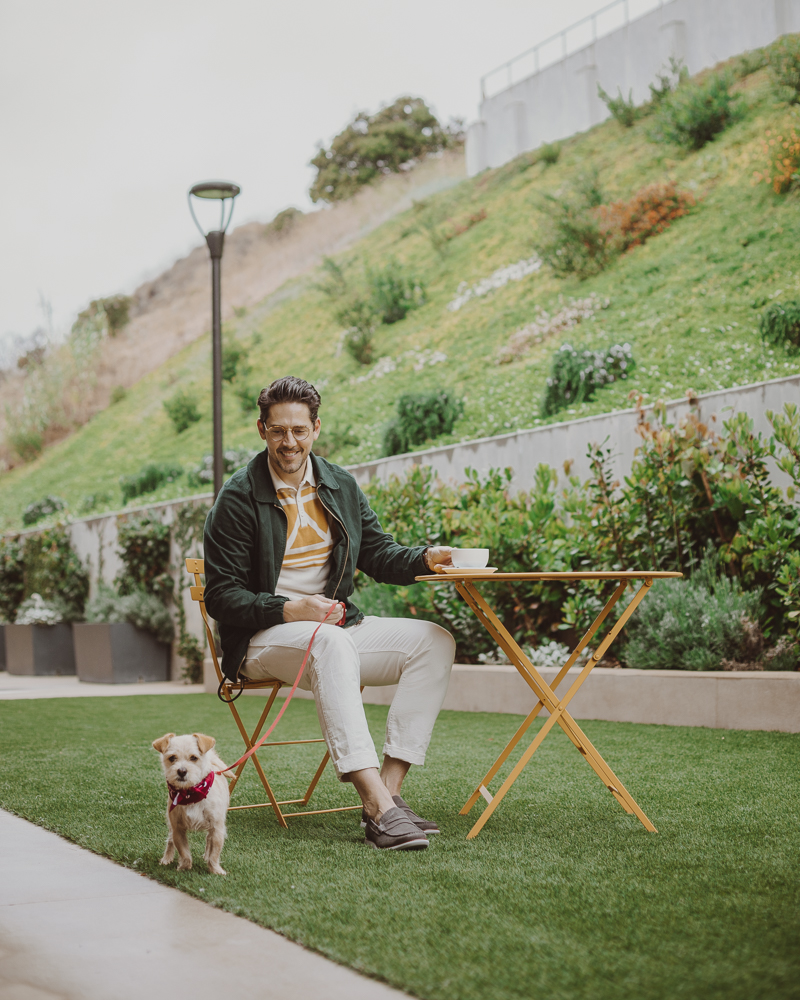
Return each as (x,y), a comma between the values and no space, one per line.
(230,544)
(381,557)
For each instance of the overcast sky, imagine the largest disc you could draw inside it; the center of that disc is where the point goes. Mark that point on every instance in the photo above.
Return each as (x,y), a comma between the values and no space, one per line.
(110,110)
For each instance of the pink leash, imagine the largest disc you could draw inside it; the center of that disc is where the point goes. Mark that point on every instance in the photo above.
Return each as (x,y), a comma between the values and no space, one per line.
(290,695)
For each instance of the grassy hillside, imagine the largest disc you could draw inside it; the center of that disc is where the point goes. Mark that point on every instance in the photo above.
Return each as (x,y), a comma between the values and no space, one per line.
(688,303)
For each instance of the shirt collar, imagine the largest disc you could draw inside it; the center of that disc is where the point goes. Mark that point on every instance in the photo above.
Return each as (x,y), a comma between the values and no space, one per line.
(308,478)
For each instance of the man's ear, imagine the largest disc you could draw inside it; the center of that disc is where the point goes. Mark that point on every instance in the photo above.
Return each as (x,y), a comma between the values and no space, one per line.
(317,427)
(162,743)
(205,743)
(262,430)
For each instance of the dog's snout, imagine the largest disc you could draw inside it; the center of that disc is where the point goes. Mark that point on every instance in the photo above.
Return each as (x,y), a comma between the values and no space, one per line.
(181,772)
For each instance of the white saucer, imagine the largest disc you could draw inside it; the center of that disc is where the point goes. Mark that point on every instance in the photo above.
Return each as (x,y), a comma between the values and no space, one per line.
(455,571)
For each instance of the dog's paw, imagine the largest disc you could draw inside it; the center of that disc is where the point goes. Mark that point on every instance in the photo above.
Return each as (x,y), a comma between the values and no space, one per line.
(185,866)
(166,860)
(217,869)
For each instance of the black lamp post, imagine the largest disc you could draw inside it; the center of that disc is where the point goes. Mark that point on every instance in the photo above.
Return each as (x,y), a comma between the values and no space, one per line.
(221,191)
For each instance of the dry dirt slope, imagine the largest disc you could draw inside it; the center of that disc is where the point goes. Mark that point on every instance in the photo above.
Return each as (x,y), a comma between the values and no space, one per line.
(174,309)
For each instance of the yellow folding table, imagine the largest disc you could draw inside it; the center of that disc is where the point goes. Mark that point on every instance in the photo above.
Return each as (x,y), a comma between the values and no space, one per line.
(464,581)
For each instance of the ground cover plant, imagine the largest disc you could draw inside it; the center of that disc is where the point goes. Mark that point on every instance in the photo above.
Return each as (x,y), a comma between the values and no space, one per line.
(688,301)
(561,895)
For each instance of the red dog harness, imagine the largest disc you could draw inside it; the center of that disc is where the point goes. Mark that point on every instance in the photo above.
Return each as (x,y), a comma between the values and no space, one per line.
(185,796)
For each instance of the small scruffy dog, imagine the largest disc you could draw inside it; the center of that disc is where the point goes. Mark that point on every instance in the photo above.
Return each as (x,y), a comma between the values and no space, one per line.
(198,799)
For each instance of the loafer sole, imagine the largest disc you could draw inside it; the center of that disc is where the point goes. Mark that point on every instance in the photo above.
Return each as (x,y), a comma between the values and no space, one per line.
(426,832)
(411,845)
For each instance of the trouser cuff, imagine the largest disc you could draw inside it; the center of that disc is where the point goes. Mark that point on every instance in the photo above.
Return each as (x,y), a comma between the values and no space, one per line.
(399,753)
(355,762)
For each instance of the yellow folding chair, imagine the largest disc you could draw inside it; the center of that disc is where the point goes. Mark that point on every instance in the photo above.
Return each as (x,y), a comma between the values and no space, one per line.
(228,689)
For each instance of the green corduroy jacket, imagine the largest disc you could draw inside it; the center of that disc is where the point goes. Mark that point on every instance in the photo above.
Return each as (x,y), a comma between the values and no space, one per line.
(245,539)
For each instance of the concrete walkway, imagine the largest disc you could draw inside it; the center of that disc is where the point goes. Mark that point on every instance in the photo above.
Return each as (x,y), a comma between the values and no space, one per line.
(75,926)
(14,687)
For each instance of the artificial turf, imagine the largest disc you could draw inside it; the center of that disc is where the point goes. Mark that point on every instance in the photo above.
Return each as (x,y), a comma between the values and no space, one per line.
(561,896)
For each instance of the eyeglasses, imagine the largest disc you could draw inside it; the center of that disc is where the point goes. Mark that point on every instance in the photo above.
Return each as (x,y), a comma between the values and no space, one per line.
(278,433)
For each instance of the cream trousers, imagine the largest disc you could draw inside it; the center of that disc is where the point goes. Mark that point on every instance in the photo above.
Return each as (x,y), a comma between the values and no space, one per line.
(415,655)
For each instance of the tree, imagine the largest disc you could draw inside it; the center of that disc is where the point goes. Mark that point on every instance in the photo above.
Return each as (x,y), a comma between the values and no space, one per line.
(383,143)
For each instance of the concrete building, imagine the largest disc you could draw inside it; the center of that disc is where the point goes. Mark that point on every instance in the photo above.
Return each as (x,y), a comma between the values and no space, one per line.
(550,91)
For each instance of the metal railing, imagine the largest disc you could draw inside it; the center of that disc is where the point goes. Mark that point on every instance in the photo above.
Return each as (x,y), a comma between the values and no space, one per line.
(537,58)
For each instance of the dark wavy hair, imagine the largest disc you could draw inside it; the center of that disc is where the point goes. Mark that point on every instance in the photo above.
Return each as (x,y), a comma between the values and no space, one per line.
(289,389)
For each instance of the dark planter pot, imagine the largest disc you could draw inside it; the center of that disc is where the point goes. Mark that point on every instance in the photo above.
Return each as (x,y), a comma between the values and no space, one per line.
(2,647)
(39,650)
(119,653)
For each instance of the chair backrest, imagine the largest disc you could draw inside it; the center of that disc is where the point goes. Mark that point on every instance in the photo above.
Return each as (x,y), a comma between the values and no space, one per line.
(197,568)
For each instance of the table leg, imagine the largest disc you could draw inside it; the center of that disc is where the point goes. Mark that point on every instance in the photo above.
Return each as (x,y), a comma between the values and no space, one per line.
(548,699)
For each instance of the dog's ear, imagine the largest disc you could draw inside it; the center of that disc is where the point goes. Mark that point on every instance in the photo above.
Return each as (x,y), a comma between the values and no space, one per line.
(205,743)
(162,742)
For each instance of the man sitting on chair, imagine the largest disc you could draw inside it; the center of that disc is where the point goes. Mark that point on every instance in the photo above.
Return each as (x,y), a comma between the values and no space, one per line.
(282,543)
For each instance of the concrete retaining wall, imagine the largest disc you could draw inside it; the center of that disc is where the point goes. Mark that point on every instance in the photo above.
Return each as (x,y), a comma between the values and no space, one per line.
(768,700)
(561,99)
(524,450)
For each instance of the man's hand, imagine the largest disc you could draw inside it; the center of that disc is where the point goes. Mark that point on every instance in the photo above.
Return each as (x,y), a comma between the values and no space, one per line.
(312,609)
(438,555)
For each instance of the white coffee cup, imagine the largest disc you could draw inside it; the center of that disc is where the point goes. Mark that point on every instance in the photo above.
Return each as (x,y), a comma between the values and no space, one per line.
(470,558)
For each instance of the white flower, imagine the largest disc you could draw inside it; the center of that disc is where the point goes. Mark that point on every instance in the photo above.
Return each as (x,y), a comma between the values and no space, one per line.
(500,277)
(37,611)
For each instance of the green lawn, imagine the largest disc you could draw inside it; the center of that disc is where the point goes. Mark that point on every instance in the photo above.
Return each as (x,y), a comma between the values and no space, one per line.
(562,895)
(688,302)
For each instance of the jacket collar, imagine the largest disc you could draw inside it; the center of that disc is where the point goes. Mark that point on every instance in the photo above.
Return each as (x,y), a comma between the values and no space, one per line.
(264,488)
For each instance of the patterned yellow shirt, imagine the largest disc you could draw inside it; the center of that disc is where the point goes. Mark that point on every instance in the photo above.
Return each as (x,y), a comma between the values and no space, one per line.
(306,561)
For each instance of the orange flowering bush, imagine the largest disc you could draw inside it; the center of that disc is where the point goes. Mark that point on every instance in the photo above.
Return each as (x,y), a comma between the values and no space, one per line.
(782,152)
(582,238)
(647,213)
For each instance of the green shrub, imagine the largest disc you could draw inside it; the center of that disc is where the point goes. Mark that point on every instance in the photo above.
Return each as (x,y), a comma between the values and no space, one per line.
(696,624)
(37,611)
(12,577)
(421,417)
(52,568)
(333,283)
(234,362)
(697,111)
(667,82)
(750,62)
(359,318)
(182,410)
(144,548)
(780,324)
(247,394)
(27,442)
(138,607)
(118,393)
(623,111)
(383,143)
(394,294)
(93,501)
(784,64)
(115,310)
(148,478)
(548,153)
(575,375)
(40,509)
(572,240)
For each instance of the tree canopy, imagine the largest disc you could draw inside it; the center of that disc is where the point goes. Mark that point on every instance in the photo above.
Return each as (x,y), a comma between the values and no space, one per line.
(387,142)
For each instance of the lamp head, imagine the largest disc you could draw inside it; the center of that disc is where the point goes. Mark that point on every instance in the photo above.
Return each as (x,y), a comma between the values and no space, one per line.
(220,191)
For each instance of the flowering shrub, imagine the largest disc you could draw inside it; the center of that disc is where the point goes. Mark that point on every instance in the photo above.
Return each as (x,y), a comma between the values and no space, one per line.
(784,64)
(42,508)
(582,237)
(646,214)
(545,326)
(37,611)
(781,150)
(498,278)
(576,375)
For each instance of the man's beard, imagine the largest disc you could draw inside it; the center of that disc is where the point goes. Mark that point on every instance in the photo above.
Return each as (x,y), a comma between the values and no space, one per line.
(290,463)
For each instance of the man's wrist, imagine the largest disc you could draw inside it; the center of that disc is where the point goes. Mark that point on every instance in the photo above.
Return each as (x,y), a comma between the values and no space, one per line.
(426,558)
